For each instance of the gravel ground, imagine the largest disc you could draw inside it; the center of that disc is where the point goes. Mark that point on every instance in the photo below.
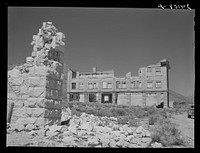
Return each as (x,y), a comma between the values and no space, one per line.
(186,126)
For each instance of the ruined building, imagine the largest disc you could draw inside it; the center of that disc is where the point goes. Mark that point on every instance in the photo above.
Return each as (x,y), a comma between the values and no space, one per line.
(35,87)
(150,87)
(38,87)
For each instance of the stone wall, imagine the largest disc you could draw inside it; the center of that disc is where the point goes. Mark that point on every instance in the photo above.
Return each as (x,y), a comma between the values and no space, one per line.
(36,86)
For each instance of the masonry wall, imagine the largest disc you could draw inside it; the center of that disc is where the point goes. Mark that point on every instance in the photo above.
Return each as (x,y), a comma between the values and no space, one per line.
(37,94)
(143,95)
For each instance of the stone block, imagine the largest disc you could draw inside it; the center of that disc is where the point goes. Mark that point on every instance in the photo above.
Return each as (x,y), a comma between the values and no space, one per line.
(49,103)
(51,83)
(59,68)
(31,71)
(52,113)
(19,103)
(37,112)
(43,81)
(31,91)
(31,102)
(17,81)
(34,81)
(54,75)
(15,88)
(20,112)
(58,104)
(23,89)
(25,96)
(11,96)
(41,70)
(17,127)
(34,53)
(50,121)
(41,121)
(30,127)
(54,94)
(13,73)
(42,102)
(29,59)
(39,92)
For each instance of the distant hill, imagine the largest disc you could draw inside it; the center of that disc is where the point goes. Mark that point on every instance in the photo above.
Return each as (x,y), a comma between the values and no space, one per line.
(176,97)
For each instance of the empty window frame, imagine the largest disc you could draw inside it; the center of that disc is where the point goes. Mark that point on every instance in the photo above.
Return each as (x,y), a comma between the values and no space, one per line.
(158,70)
(133,84)
(90,85)
(73,74)
(107,85)
(158,84)
(123,84)
(81,85)
(117,84)
(149,71)
(73,85)
(95,85)
(106,98)
(104,85)
(149,84)
(139,84)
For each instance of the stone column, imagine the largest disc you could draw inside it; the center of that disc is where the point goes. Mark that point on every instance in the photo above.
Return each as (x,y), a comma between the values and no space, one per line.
(113,97)
(144,99)
(86,97)
(36,86)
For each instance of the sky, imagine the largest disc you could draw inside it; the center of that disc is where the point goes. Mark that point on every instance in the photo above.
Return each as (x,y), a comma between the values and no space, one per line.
(119,39)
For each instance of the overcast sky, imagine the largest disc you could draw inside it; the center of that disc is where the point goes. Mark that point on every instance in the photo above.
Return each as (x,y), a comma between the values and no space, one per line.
(122,39)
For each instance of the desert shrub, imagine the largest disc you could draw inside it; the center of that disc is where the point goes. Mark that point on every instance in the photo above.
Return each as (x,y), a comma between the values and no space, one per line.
(166,133)
(141,113)
(152,110)
(122,119)
(153,119)
(117,112)
(75,112)
(103,112)
(133,122)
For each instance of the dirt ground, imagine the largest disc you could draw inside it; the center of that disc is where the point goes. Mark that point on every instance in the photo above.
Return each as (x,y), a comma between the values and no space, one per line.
(186,126)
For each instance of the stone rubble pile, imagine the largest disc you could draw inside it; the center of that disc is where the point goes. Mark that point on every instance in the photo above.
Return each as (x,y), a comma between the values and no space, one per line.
(84,131)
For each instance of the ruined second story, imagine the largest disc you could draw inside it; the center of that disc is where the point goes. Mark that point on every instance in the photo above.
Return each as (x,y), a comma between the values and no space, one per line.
(150,78)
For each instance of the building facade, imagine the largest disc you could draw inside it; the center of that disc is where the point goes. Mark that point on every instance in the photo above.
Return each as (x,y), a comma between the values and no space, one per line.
(150,87)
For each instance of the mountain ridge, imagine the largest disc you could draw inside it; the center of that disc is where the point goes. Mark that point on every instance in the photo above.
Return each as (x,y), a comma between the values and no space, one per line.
(177,97)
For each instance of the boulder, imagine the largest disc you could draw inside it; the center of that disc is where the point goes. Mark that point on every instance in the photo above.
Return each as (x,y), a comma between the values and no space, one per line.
(146,140)
(30,127)
(147,134)
(92,141)
(112,143)
(18,127)
(85,126)
(72,129)
(41,132)
(139,129)
(55,128)
(115,127)
(113,119)
(156,145)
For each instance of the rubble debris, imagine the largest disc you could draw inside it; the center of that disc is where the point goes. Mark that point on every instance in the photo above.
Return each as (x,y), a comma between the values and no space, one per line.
(83,131)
